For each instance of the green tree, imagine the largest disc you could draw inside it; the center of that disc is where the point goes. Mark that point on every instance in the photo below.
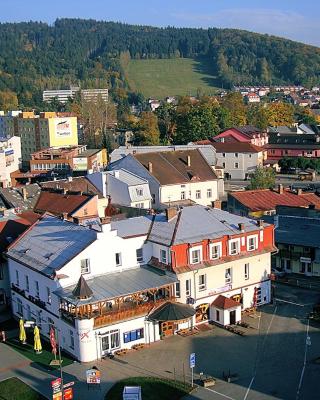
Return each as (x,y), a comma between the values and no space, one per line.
(197,123)
(263,178)
(258,116)
(166,114)
(147,131)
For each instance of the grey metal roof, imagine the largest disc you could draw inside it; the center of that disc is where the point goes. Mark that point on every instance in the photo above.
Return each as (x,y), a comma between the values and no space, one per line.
(197,223)
(118,284)
(128,177)
(300,231)
(50,243)
(13,197)
(207,151)
(132,226)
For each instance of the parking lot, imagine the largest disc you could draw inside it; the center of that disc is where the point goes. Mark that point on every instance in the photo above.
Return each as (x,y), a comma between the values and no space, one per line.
(274,360)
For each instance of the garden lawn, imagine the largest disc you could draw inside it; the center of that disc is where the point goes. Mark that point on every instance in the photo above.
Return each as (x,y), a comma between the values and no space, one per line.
(42,359)
(14,389)
(151,388)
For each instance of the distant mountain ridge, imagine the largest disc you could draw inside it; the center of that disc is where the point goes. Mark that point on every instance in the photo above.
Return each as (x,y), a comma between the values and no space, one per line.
(35,55)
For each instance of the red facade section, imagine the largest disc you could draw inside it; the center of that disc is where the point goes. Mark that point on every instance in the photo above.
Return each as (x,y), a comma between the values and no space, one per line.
(180,252)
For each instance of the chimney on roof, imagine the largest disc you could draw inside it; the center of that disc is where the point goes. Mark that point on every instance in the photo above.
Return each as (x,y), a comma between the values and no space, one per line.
(117,174)
(280,189)
(171,212)
(150,169)
(216,204)
(260,223)
(241,226)
(24,193)
(299,192)
(189,161)
(65,216)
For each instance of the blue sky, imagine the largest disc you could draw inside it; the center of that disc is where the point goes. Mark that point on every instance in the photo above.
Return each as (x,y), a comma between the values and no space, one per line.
(294,19)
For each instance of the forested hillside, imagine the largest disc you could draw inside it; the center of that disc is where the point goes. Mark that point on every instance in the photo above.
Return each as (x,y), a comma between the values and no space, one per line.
(35,56)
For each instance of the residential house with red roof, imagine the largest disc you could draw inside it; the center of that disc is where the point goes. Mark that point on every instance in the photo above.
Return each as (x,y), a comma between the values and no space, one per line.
(222,261)
(68,205)
(12,225)
(259,202)
(239,159)
(246,133)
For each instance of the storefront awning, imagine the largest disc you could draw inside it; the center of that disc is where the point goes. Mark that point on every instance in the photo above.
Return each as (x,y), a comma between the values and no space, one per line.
(172,312)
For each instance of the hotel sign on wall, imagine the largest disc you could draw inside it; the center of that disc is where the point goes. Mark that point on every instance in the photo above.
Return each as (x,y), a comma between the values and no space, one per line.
(62,127)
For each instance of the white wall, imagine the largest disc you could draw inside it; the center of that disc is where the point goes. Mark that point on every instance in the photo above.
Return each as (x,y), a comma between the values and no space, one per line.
(248,162)
(173,192)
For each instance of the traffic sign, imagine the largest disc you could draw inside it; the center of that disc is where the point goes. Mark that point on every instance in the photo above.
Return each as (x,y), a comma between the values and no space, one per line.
(192,360)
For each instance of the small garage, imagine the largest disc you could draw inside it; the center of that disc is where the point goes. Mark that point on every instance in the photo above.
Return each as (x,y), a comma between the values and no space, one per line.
(225,311)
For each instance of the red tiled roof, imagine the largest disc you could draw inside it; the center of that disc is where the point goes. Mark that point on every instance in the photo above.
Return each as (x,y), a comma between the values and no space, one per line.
(29,217)
(236,147)
(59,203)
(225,303)
(77,184)
(266,199)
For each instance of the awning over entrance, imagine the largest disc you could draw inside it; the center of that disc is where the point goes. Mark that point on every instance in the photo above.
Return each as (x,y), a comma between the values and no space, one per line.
(224,303)
(172,312)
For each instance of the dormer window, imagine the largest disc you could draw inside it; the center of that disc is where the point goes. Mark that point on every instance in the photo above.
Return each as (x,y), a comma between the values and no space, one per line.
(85,266)
(139,191)
(234,247)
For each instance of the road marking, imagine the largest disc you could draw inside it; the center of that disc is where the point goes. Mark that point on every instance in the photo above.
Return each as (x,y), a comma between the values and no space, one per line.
(291,302)
(256,361)
(304,361)
(221,394)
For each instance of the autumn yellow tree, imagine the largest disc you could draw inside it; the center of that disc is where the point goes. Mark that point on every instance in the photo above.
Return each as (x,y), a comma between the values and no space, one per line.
(147,130)
(280,114)
(233,102)
(8,100)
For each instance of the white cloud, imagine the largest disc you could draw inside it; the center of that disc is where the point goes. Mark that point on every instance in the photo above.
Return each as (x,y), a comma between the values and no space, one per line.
(275,22)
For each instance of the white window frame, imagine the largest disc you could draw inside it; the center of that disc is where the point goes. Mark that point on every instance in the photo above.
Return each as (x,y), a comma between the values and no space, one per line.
(236,165)
(188,284)
(139,191)
(255,239)
(182,195)
(202,285)
(164,259)
(211,246)
(85,269)
(228,280)
(246,271)
(177,289)
(198,194)
(237,240)
(209,193)
(139,258)
(195,248)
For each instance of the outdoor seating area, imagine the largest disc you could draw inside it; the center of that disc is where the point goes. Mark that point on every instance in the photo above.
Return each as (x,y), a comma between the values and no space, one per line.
(188,331)
(138,346)
(121,352)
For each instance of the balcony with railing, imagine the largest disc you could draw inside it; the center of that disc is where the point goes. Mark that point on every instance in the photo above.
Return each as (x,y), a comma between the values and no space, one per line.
(110,311)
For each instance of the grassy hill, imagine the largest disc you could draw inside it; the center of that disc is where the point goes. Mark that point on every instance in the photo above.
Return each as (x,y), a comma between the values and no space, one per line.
(175,76)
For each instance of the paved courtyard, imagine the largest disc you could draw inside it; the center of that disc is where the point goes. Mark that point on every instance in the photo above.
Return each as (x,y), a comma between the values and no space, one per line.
(273,359)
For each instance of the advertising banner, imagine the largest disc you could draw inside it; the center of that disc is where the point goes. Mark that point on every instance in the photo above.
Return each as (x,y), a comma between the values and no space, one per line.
(62,127)
(80,164)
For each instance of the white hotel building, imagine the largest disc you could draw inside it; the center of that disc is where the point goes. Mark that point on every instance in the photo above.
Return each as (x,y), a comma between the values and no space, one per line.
(104,289)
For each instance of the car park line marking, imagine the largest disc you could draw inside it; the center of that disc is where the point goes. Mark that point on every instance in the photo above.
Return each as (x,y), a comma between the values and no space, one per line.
(256,361)
(221,394)
(291,302)
(308,343)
